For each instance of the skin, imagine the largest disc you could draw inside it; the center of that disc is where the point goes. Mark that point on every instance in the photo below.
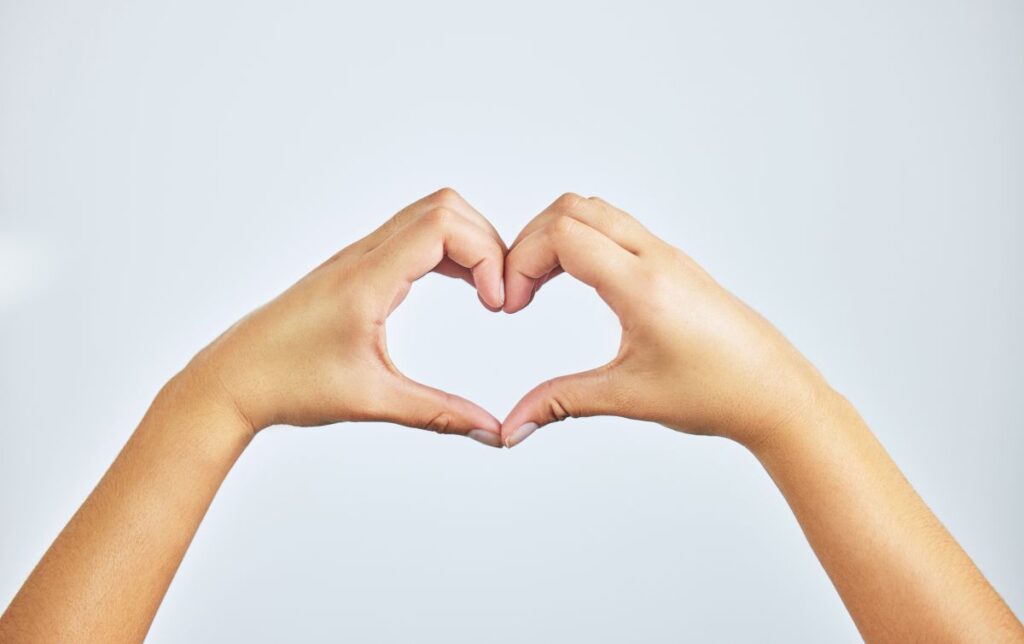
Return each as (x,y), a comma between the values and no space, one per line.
(696,359)
(692,357)
(314,355)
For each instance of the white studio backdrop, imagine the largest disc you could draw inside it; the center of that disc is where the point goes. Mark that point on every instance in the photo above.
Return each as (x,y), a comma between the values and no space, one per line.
(851,169)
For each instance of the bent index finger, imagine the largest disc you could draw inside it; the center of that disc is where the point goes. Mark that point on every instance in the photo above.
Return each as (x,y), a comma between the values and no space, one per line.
(420,246)
(446,198)
(449,198)
(580,250)
(615,224)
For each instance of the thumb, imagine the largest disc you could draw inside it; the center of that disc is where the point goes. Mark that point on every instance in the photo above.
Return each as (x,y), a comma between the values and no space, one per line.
(588,393)
(416,405)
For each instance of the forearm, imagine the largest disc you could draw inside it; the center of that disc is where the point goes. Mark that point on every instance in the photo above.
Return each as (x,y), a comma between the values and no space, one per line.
(106,574)
(899,572)
(315,355)
(695,358)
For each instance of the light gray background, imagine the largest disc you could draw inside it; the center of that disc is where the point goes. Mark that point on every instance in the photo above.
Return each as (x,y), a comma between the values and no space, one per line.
(853,170)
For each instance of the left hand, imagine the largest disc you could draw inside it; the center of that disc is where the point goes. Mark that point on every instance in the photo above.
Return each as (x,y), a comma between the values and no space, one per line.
(693,357)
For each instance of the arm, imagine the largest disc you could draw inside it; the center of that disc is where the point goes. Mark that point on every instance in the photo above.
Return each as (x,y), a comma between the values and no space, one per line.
(315,355)
(696,359)
(105,575)
(900,573)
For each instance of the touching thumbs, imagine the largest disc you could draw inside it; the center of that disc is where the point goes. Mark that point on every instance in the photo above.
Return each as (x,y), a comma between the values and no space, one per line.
(588,393)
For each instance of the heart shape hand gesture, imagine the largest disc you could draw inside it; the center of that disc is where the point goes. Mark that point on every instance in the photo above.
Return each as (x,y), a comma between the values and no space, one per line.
(692,357)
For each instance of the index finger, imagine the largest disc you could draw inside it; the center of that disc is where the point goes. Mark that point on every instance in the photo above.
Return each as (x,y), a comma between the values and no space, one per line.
(445,198)
(580,250)
(613,223)
(421,245)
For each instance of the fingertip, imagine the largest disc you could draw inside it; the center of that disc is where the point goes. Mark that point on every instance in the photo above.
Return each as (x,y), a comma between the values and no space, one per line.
(512,428)
(490,284)
(484,421)
(508,305)
(520,434)
(519,291)
(489,307)
(485,437)
(497,299)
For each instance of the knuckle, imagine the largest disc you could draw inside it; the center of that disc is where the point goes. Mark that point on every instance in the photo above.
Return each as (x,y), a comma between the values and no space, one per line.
(560,404)
(563,226)
(558,410)
(614,215)
(438,218)
(608,211)
(567,201)
(445,196)
(440,423)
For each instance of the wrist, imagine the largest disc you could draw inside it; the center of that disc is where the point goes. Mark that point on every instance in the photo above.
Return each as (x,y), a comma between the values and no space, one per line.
(822,409)
(197,395)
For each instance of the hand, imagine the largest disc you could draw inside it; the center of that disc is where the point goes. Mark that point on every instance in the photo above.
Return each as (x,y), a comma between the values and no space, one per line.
(693,357)
(317,353)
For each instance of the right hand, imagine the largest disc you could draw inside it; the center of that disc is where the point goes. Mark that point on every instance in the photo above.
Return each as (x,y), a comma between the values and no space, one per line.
(693,357)
(317,354)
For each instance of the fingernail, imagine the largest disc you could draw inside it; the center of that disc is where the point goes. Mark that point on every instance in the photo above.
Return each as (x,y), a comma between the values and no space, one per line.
(483,436)
(501,293)
(520,434)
